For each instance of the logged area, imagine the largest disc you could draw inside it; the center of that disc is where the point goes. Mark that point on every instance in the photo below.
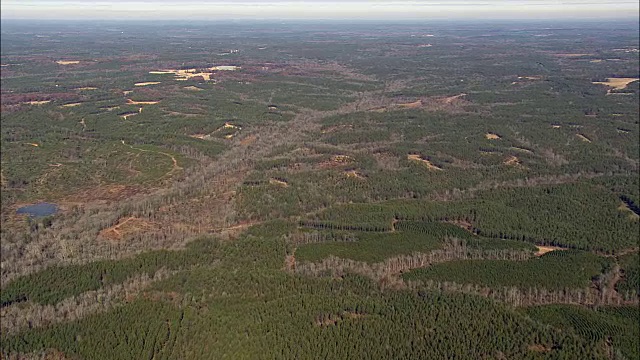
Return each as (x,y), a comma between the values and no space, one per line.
(334,191)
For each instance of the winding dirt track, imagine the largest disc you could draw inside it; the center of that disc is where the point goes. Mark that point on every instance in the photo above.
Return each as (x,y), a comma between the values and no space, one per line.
(173,158)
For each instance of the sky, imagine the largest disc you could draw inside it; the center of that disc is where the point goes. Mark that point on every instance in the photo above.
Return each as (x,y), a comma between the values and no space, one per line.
(319,9)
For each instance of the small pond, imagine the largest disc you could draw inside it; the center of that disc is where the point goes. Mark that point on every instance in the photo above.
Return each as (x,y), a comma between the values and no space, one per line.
(38,210)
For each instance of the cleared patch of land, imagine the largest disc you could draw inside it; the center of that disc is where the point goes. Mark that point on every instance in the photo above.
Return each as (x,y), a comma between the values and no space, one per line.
(492,136)
(411,105)
(201,136)
(617,83)
(279,182)
(430,166)
(186,74)
(147,83)
(67,62)
(125,116)
(512,160)
(41,102)
(354,174)
(547,249)
(521,150)
(626,209)
(126,226)
(533,77)
(131,102)
(572,55)
(583,138)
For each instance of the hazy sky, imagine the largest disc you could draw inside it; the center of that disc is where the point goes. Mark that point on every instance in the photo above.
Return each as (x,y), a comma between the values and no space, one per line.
(319,9)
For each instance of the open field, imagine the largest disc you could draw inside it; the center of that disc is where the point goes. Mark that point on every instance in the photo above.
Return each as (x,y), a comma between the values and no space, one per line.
(328,191)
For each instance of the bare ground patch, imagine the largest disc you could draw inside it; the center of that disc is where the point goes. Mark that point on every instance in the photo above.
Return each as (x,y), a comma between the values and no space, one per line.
(130,225)
(616,83)
(201,136)
(70,105)
(279,182)
(547,249)
(41,102)
(127,115)
(492,136)
(131,102)
(512,161)
(583,138)
(419,158)
(626,209)
(522,150)
(68,62)
(147,83)
(354,174)
(571,55)
(411,105)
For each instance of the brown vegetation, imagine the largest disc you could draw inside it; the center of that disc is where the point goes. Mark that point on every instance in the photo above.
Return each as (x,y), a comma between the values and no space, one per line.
(419,158)
(126,227)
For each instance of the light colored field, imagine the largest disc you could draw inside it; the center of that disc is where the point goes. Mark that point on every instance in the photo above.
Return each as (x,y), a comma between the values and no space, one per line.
(274,181)
(512,161)
(147,83)
(32,144)
(192,88)
(430,166)
(342,159)
(127,92)
(186,74)
(522,150)
(228,137)
(354,174)
(411,105)
(86,88)
(616,83)
(596,61)
(225,68)
(230,126)
(128,115)
(572,55)
(36,102)
(625,209)
(71,105)
(533,77)
(492,136)
(450,99)
(131,102)
(547,249)
(583,138)
(201,136)
(67,62)
(556,126)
